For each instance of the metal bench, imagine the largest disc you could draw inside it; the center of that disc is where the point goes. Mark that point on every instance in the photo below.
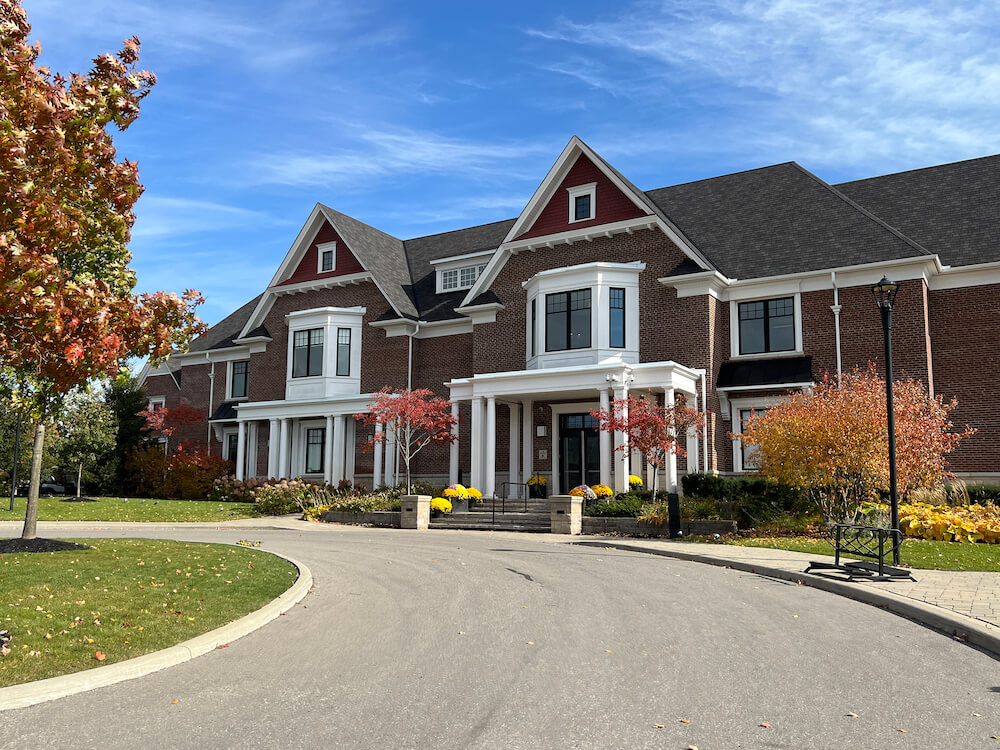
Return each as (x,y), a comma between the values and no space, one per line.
(871,542)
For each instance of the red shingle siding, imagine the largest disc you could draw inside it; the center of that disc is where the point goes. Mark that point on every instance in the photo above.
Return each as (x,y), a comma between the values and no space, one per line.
(610,203)
(345,263)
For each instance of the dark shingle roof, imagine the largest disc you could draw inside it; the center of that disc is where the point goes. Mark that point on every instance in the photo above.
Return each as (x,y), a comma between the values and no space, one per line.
(222,333)
(381,253)
(952,210)
(764,372)
(778,220)
(422,250)
(225,412)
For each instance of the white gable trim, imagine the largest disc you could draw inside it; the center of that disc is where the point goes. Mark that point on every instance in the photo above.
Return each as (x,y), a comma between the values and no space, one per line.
(573,150)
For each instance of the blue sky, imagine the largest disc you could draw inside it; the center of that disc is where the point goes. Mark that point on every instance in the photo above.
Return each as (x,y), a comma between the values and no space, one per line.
(420,117)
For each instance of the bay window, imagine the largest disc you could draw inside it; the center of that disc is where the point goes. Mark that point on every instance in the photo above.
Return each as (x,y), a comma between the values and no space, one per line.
(307,354)
(567,320)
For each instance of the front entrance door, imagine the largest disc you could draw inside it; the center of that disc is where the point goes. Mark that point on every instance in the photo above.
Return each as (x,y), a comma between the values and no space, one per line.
(579,451)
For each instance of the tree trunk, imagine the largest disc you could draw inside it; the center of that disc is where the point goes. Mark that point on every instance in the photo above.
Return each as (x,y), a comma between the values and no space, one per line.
(30,530)
(79,478)
(409,486)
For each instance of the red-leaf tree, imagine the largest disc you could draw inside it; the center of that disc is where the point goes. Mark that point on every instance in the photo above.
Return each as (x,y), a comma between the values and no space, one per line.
(652,429)
(164,422)
(833,442)
(418,417)
(68,312)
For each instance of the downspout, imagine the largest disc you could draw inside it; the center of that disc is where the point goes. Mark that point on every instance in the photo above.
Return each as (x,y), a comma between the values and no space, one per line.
(211,394)
(836,319)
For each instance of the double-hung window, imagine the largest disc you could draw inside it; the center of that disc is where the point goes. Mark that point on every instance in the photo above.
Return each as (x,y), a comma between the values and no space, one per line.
(326,261)
(241,375)
(616,318)
(315,437)
(767,326)
(567,320)
(307,353)
(343,351)
(534,327)
(232,445)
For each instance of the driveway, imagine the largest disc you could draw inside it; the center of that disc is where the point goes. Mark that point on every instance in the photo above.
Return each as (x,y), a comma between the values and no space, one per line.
(491,640)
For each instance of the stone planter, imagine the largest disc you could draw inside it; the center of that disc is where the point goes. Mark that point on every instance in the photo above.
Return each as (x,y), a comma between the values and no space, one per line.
(459,506)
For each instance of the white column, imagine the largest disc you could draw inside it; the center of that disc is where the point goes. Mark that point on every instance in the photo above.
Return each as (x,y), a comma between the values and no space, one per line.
(604,440)
(241,450)
(377,460)
(453,448)
(390,455)
(527,440)
(251,450)
(490,468)
(554,488)
(671,466)
(350,448)
(328,451)
(624,461)
(337,445)
(693,442)
(283,450)
(476,444)
(513,468)
(272,448)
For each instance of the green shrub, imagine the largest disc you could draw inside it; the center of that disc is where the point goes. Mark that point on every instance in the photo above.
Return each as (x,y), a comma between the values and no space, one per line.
(985,493)
(626,505)
(699,508)
(754,501)
(229,489)
(290,495)
(656,514)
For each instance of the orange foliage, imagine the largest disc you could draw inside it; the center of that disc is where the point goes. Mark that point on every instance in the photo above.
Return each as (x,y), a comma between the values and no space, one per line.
(833,442)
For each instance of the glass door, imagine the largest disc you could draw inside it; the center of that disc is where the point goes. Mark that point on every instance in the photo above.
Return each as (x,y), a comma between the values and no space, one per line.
(579,451)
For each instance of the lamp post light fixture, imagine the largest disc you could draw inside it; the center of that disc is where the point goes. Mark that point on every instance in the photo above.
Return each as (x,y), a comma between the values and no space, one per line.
(885,297)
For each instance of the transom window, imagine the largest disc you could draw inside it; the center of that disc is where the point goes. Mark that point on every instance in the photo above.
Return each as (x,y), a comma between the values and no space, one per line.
(343,351)
(307,354)
(767,326)
(567,320)
(241,375)
(315,437)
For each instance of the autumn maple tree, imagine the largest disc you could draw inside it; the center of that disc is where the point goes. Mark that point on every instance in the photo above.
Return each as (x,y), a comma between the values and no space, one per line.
(164,422)
(832,442)
(68,311)
(418,417)
(650,428)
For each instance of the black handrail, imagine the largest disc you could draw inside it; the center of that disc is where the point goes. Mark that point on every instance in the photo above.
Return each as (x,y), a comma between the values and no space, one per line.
(504,495)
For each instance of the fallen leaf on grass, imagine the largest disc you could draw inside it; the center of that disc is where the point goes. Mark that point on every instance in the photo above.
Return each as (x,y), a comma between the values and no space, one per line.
(4,650)
(903,731)
(684,721)
(765,725)
(100,656)
(174,701)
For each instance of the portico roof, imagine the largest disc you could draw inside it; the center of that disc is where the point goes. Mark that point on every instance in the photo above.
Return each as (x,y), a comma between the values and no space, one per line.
(577,381)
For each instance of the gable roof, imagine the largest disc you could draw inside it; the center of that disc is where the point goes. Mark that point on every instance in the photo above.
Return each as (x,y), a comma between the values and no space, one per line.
(952,209)
(778,220)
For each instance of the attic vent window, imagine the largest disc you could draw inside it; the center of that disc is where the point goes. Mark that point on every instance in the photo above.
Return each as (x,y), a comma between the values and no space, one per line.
(582,202)
(327,253)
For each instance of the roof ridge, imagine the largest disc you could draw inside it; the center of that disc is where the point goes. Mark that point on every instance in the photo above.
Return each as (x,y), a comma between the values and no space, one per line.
(720,176)
(921,169)
(460,229)
(861,209)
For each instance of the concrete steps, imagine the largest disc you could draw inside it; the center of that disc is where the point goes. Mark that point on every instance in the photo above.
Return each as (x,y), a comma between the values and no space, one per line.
(533,505)
(480,520)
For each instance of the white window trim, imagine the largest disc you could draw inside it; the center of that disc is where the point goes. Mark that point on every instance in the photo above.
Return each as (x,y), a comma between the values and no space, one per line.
(157,401)
(460,287)
(574,192)
(229,380)
(737,405)
(734,328)
(322,248)
(226,432)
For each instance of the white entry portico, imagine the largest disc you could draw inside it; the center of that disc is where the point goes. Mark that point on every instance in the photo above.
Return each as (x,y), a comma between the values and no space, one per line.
(567,390)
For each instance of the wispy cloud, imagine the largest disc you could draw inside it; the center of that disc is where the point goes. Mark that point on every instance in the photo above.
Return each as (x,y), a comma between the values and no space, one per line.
(844,80)
(161,217)
(385,152)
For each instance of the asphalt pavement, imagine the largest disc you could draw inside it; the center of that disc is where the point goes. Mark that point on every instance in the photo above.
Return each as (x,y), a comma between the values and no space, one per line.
(492,640)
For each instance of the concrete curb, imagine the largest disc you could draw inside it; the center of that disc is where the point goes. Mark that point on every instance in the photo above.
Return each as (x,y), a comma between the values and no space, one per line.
(958,626)
(30,693)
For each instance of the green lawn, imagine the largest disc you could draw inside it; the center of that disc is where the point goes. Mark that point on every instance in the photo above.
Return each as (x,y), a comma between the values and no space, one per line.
(916,553)
(136,509)
(124,598)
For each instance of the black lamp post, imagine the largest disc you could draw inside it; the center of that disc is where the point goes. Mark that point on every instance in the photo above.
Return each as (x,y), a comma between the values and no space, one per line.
(885,297)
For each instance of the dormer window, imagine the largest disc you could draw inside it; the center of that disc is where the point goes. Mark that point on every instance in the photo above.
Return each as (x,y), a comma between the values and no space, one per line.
(455,279)
(582,202)
(327,256)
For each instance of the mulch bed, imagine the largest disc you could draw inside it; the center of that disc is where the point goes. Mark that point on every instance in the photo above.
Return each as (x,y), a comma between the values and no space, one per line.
(14,546)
